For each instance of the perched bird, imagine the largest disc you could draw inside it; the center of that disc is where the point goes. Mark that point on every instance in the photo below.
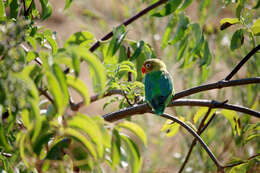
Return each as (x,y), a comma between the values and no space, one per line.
(158,85)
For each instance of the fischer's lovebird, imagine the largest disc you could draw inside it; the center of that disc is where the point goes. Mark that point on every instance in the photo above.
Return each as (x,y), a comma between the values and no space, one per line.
(158,85)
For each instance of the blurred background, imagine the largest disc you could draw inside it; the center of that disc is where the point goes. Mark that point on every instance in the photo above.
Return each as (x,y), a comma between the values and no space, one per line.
(165,154)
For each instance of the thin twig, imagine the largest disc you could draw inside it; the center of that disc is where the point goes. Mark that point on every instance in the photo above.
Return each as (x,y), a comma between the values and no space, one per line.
(194,140)
(200,131)
(127,99)
(144,108)
(127,22)
(193,133)
(77,106)
(239,163)
(242,62)
(44,92)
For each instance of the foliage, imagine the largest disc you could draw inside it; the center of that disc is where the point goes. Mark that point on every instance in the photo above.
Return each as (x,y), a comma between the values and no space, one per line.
(40,127)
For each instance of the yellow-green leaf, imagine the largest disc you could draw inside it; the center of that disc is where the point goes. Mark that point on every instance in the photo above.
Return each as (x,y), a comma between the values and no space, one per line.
(115,148)
(80,86)
(227,22)
(233,119)
(76,134)
(136,129)
(133,154)
(201,112)
(256,27)
(89,126)
(96,68)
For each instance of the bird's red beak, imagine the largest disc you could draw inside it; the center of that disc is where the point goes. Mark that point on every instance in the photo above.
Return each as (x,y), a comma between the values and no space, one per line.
(143,70)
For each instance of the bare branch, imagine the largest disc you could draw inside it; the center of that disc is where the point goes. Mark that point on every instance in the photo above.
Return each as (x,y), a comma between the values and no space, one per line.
(144,108)
(216,85)
(242,62)
(196,136)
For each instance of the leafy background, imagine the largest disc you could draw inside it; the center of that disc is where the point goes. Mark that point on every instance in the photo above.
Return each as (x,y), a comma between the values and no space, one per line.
(192,58)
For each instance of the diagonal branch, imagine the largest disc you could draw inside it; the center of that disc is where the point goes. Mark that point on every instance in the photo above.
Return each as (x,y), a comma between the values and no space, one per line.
(197,137)
(144,108)
(200,130)
(242,62)
(127,22)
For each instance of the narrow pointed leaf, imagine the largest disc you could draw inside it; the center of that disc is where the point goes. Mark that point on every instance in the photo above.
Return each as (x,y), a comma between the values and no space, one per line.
(90,127)
(80,86)
(134,128)
(227,22)
(76,134)
(169,8)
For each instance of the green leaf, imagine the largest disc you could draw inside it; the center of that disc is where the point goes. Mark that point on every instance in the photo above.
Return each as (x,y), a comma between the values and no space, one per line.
(251,137)
(233,119)
(2,11)
(133,154)
(41,141)
(88,126)
(80,86)
(201,112)
(127,66)
(97,70)
(62,82)
(136,129)
(56,151)
(49,37)
(76,134)
(138,50)
(83,38)
(3,140)
(31,55)
(168,30)
(257,5)
(227,22)
(68,3)
(239,8)
(237,39)
(56,91)
(171,128)
(119,34)
(206,55)
(169,8)
(181,28)
(76,63)
(46,9)
(185,4)
(256,27)
(14,9)
(182,47)
(241,168)
(26,118)
(115,148)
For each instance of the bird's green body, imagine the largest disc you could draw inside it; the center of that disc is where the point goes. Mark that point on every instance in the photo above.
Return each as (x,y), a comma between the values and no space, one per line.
(158,87)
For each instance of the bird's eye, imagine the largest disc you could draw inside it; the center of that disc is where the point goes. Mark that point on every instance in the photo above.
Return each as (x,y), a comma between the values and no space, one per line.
(147,65)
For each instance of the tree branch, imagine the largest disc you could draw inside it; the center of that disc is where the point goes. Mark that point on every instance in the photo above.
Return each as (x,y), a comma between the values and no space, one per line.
(197,137)
(144,108)
(242,62)
(239,163)
(200,130)
(216,85)
(127,22)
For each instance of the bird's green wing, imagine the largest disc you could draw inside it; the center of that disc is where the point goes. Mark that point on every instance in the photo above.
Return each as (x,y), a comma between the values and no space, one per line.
(158,90)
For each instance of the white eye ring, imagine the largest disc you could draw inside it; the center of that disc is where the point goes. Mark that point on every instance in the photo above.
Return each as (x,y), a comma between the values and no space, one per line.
(147,65)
